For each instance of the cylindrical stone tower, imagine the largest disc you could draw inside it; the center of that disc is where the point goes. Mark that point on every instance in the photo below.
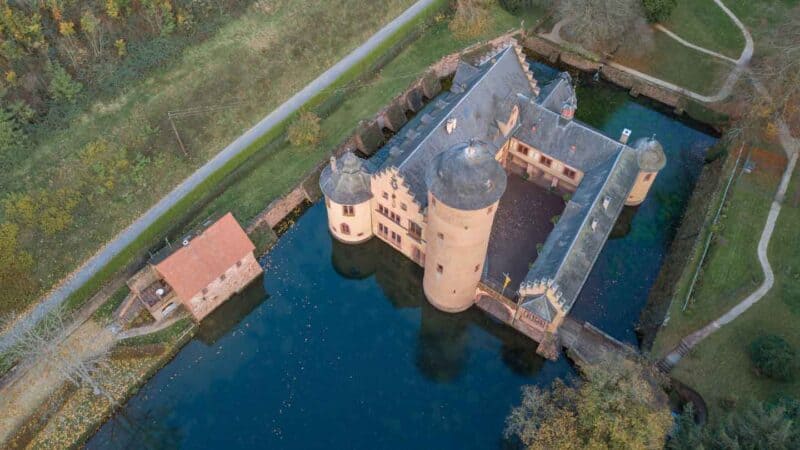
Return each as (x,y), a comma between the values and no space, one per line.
(465,184)
(652,159)
(346,187)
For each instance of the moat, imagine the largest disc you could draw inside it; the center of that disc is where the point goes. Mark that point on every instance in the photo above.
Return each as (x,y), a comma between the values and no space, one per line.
(338,347)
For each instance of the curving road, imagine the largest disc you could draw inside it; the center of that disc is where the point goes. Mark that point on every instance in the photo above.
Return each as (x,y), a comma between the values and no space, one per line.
(133,231)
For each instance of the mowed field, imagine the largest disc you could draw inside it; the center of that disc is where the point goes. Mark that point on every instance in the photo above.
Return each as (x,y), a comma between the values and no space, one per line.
(222,86)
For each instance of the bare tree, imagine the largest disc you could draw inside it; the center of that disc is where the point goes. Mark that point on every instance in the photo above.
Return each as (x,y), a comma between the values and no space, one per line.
(599,24)
(45,342)
(779,70)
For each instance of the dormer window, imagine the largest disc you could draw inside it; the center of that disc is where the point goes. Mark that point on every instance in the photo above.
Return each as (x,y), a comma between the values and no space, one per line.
(606,202)
(594,224)
(450,125)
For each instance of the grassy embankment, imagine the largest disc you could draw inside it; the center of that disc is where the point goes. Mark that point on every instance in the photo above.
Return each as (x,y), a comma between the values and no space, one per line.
(246,66)
(719,368)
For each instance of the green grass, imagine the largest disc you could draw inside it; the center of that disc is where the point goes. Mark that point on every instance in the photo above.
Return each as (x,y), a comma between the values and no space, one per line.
(245,61)
(731,269)
(703,23)
(104,313)
(719,367)
(168,334)
(663,57)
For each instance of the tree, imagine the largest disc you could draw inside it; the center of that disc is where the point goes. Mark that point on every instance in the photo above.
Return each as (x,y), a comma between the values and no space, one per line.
(305,130)
(12,136)
(773,357)
(599,24)
(62,87)
(617,404)
(93,29)
(471,19)
(658,10)
(44,342)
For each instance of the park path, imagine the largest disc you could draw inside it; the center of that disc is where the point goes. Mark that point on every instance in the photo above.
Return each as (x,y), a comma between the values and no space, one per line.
(91,267)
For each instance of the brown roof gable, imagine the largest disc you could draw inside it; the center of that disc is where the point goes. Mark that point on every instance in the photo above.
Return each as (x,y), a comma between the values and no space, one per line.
(194,266)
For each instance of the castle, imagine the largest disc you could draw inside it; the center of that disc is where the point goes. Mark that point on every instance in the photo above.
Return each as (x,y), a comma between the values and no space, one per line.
(433,191)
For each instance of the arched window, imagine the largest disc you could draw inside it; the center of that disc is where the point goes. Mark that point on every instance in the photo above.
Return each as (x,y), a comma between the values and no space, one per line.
(345,228)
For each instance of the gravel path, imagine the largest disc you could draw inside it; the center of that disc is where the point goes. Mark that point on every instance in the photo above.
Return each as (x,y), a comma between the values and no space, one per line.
(130,234)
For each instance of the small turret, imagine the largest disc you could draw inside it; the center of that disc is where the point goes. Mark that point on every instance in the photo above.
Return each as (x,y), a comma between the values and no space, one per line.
(651,158)
(345,183)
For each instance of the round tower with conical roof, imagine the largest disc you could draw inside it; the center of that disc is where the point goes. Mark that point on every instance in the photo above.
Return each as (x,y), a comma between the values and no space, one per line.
(465,184)
(345,183)
(651,157)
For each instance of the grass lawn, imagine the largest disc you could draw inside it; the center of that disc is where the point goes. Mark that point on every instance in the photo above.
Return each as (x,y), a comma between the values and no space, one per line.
(719,367)
(731,270)
(281,169)
(703,23)
(663,57)
(247,67)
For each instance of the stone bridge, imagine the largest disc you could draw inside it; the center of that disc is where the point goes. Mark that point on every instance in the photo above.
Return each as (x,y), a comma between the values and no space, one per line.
(585,343)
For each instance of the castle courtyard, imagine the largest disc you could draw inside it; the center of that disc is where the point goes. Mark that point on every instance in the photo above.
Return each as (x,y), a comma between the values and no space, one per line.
(523,220)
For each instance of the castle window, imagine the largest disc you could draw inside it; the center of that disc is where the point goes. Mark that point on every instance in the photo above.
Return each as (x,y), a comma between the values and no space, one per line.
(522,149)
(348,210)
(477,267)
(385,195)
(396,238)
(345,228)
(648,177)
(569,172)
(403,206)
(439,268)
(414,230)
(545,161)
(440,236)
(382,229)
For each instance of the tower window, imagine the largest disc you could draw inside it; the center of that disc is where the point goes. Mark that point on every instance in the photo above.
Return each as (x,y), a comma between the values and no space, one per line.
(648,177)
(545,161)
(403,206)
(439,268)
(348,210)
(440,236)
(522,149)
(477,267)
(345,228)
(386,195)
(569,172)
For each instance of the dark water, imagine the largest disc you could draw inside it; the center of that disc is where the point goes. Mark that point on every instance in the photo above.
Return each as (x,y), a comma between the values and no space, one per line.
(344,351)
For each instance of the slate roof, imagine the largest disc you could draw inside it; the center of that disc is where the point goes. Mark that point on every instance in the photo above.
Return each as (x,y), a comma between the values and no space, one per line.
(480,96)
(349,183)
(467,177)
(207,256)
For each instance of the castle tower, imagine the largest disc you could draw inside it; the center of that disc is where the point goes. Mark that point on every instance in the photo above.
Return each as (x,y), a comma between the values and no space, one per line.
(465,184)
(652,159)
(346,186)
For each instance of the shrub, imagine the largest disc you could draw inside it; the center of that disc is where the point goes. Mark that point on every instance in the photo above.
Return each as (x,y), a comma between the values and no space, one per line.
(658,10)
(305,130)
(62,87)
(773,357)
(472,18)
(12,137)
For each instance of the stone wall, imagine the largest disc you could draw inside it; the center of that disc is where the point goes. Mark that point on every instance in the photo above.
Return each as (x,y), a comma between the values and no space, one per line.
(551,52)
(235,279)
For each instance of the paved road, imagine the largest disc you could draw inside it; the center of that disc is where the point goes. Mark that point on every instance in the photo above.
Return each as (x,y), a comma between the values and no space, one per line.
(130,234)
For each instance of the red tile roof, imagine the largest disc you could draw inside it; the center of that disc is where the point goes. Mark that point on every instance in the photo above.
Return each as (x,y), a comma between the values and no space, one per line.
(194,266)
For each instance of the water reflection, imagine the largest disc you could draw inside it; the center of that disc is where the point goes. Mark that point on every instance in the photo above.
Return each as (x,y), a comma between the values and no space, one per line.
(443,339)
(225,318)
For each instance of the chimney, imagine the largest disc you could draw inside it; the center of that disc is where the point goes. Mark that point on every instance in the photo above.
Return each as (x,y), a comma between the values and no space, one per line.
(567,110)
(333,164)
(626,134)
